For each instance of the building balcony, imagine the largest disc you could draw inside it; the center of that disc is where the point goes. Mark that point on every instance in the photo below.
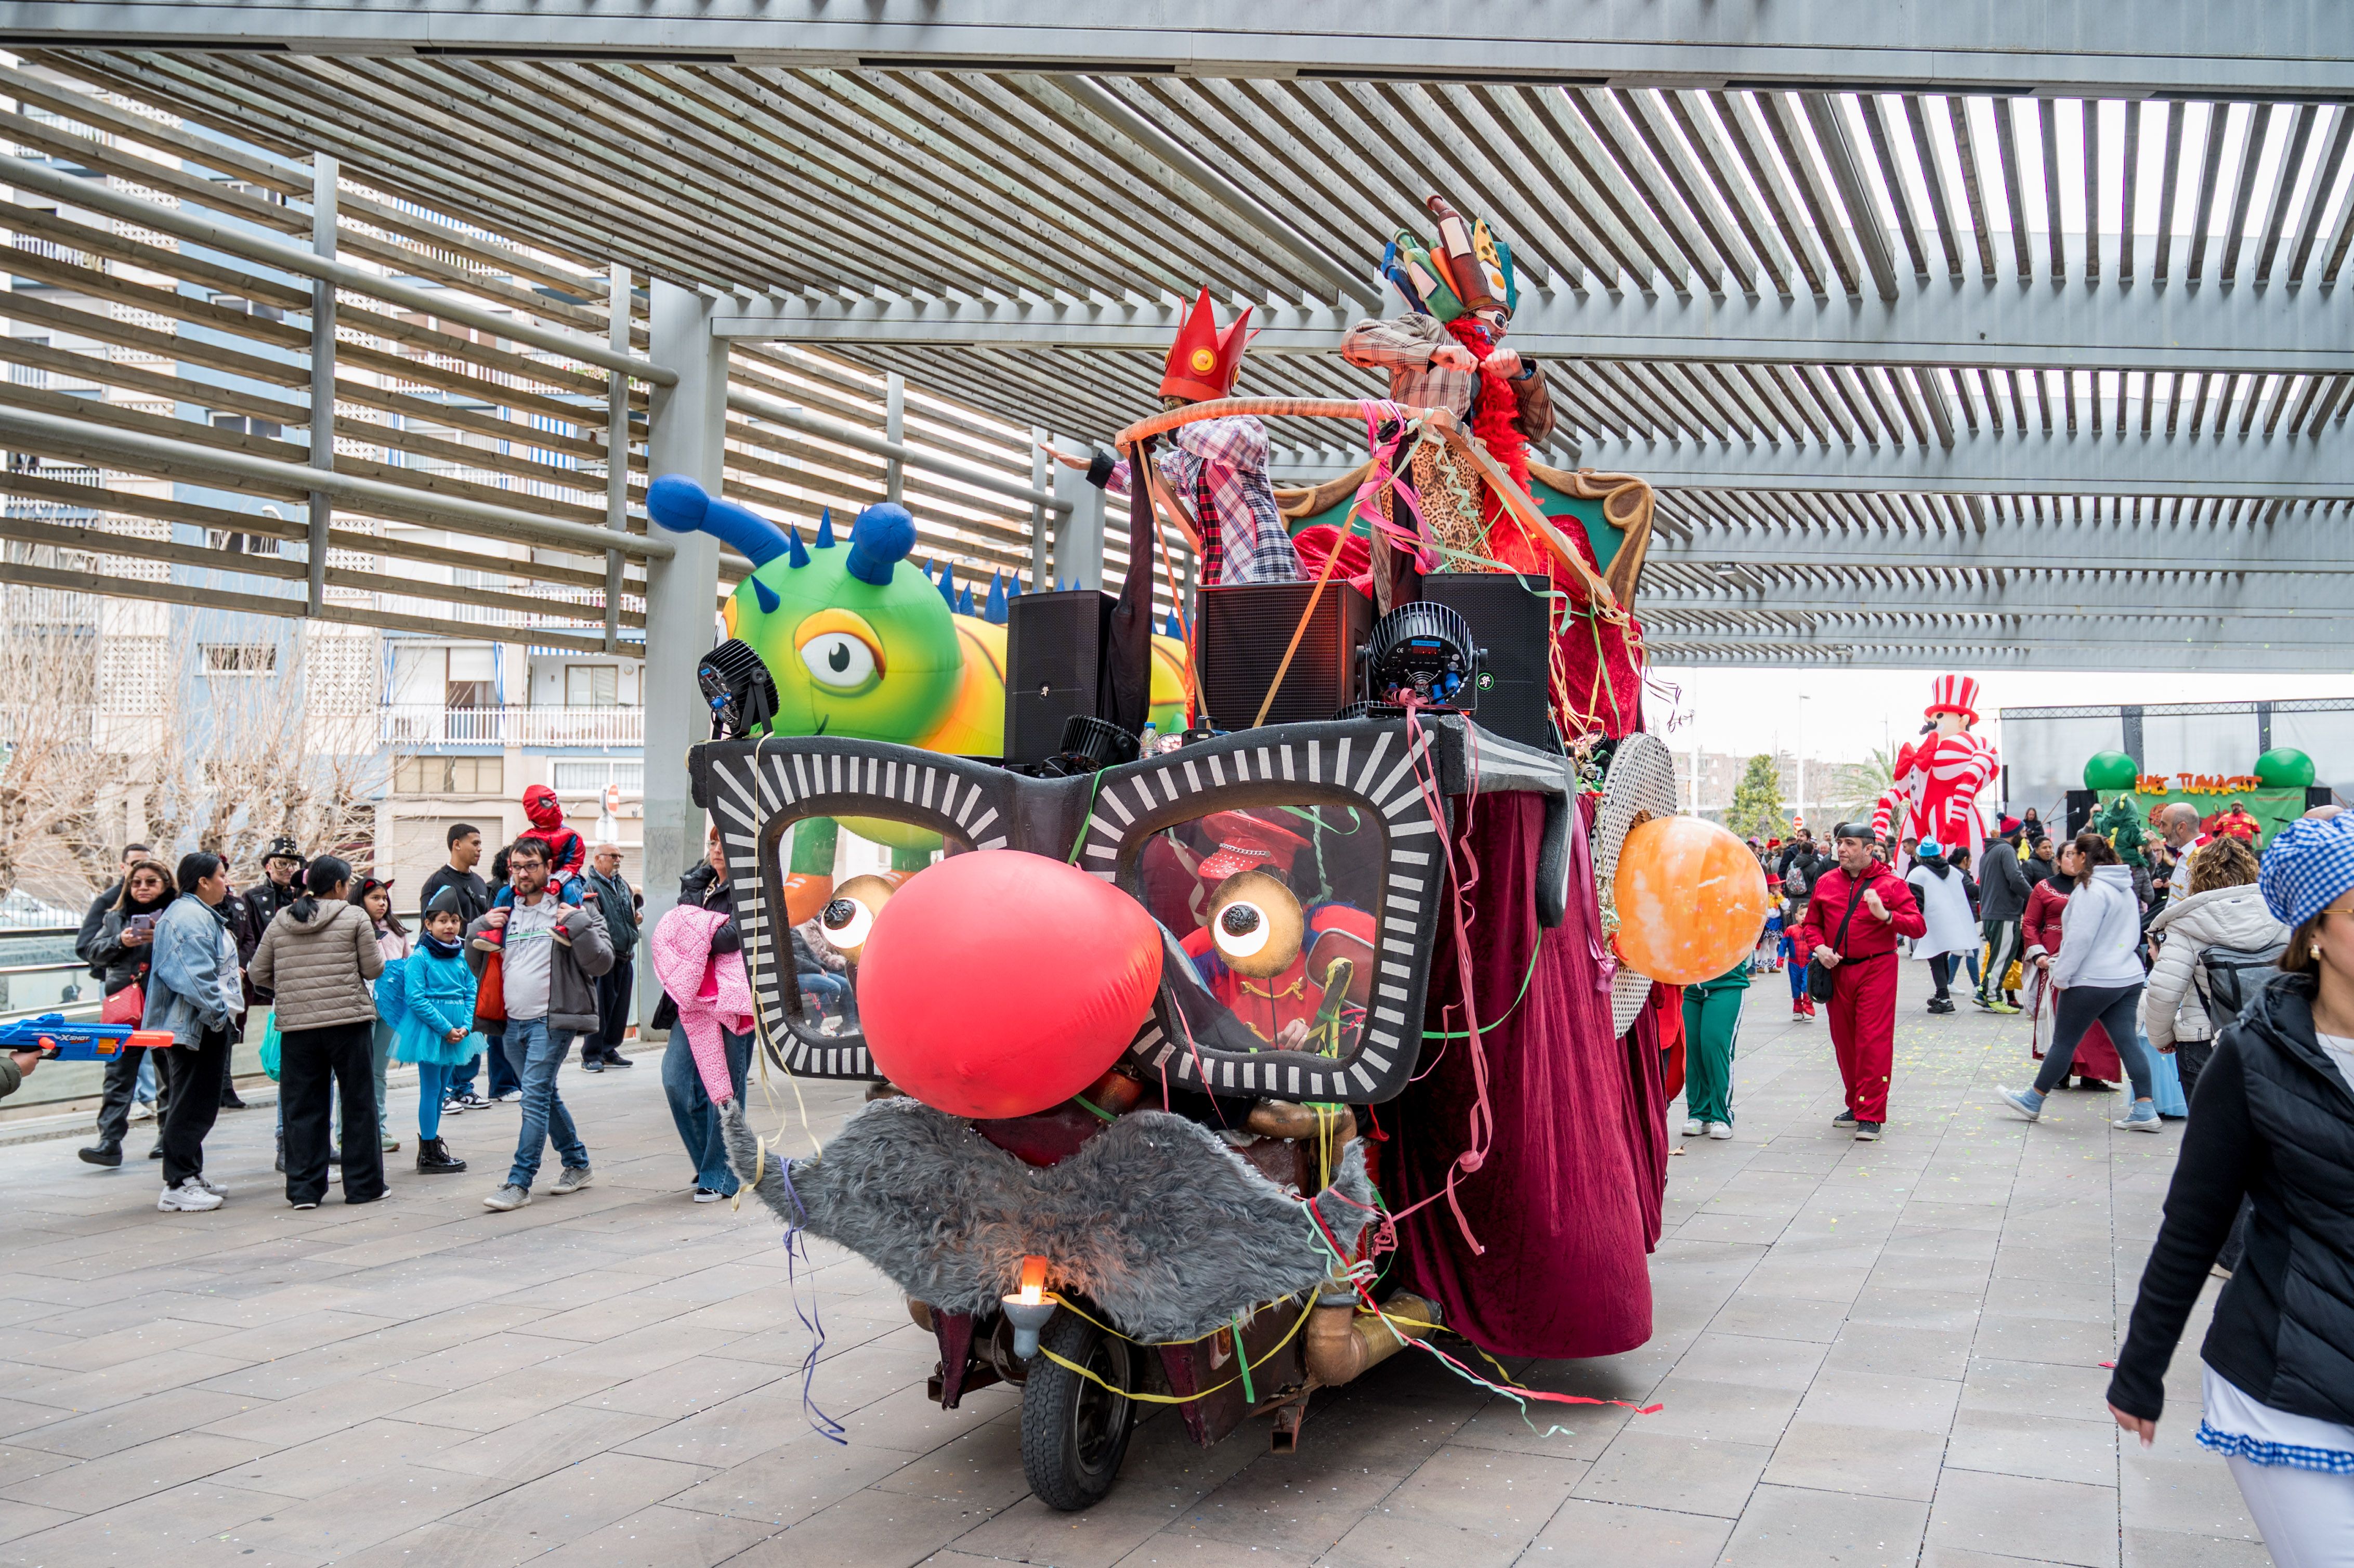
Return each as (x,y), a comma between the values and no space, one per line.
(415,726)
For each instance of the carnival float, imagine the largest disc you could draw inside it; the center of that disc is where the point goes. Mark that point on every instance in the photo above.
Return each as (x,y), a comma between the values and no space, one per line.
(1219,1056)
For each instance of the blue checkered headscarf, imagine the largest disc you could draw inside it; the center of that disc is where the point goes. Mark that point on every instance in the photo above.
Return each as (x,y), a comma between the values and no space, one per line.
(2308,863)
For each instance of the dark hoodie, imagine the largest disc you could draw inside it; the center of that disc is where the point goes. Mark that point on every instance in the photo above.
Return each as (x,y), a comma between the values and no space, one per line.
(2274,1120)
(566,853)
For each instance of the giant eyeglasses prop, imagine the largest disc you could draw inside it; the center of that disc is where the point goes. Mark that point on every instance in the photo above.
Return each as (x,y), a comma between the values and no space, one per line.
(1296,875)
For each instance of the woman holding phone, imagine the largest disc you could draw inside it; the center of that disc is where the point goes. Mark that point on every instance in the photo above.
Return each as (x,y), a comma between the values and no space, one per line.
(125,951)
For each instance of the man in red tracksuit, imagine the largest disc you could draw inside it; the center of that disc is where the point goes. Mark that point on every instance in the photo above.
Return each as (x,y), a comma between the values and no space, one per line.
(1864,967)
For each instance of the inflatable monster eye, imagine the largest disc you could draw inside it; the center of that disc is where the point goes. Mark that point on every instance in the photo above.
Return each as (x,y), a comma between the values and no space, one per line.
(1241,930)
(848,920)
(838,659)
(1255,924)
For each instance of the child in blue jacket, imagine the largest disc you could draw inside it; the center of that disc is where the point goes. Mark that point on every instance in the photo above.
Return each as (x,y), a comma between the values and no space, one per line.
(429,1000)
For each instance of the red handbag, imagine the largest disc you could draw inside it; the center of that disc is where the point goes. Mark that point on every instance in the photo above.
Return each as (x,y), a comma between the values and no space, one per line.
(128,1005)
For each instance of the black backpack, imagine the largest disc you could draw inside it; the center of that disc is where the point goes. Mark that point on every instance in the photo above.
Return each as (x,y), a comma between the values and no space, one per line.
(2230,978)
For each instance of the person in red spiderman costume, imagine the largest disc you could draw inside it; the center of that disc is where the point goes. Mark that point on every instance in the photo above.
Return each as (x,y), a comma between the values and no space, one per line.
(1270,960)
(1853,918)
(566,853)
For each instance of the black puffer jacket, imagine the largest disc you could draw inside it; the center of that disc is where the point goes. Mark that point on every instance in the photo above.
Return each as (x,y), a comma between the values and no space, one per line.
(2274,1120)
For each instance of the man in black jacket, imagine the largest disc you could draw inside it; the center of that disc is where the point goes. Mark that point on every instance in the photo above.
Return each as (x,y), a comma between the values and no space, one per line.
(2002,890)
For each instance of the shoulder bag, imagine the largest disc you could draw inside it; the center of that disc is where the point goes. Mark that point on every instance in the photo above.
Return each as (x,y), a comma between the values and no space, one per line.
(1820,981)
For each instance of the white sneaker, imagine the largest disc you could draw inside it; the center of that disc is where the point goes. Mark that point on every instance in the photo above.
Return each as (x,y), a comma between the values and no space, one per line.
(574,1178)
(201,1179)
(511,1098)
(453,1107)
(508,1197)
(1720,1131)
(1694,1127)
(709,1195)
(188,1197)
(143,1110)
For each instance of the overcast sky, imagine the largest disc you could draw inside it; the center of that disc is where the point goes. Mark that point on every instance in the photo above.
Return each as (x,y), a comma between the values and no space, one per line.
(1849,711)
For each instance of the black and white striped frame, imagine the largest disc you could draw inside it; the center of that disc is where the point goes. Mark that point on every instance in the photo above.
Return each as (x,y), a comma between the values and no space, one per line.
(757,789)
(1367,764)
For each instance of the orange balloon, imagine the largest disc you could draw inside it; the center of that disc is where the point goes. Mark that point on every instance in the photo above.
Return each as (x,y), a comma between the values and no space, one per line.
(1691,900)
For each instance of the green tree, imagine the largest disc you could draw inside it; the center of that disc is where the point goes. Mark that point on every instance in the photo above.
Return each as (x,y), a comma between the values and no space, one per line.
(1862,784)
(1757,808)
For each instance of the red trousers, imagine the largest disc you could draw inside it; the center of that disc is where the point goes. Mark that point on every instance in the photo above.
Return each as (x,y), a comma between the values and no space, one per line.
(1863,1033)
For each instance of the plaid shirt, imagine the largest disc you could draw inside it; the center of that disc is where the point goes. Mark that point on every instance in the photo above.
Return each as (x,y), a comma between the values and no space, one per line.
(1216,471)
(1403,347)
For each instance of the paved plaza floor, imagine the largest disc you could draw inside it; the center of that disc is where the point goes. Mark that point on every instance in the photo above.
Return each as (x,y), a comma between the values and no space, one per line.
(1868,1353)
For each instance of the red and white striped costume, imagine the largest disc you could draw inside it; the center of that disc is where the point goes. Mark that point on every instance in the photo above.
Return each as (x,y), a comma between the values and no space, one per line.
(1939,777)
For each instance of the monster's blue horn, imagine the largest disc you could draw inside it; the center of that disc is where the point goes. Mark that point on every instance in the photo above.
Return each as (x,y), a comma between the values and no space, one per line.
(880,539)
(683,507)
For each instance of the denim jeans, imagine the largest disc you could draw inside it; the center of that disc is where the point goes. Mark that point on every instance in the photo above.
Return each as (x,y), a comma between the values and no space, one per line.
(503,1073)
(536,1055)
(691,1107)
(828,991)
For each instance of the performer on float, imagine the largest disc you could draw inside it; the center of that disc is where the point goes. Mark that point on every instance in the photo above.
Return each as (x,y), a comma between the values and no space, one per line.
(1216,470)
(1446,352)
(1939,777)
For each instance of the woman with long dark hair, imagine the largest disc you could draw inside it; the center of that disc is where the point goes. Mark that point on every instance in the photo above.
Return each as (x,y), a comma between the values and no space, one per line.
(124,951)
(2273,1123)
(318,956)
(2098,975)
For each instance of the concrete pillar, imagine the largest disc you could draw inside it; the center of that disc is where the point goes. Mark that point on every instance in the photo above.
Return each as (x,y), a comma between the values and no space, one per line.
(686,435)
(1079,533)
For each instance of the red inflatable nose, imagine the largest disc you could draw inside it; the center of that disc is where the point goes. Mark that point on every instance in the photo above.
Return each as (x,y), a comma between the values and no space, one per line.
(1000,983)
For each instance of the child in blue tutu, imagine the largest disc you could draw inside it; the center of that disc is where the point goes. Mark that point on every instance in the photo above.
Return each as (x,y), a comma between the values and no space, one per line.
(429,1000)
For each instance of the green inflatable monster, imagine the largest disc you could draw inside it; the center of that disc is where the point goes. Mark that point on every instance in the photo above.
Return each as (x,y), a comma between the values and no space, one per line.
(859,644)
(2121,825)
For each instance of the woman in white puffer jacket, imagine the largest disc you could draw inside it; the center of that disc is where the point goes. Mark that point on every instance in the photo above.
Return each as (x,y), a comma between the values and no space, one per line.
(2223,909)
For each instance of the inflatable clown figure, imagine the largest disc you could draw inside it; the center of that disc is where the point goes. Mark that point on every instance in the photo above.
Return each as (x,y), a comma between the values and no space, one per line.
(1939,777)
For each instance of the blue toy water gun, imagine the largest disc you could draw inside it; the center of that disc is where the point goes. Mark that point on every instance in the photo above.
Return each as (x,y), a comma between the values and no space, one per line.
(59,1041)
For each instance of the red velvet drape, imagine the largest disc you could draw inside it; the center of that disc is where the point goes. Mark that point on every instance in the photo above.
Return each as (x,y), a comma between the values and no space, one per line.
(1568,1202)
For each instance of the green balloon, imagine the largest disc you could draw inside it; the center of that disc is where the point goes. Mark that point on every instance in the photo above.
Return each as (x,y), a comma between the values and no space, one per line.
(2110,770)
(2284,767)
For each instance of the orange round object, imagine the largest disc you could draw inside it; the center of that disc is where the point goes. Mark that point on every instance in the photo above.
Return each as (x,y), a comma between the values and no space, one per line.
(1691,900)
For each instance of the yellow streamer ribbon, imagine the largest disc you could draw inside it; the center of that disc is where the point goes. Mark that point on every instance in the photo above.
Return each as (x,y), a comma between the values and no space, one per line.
(1069,1365)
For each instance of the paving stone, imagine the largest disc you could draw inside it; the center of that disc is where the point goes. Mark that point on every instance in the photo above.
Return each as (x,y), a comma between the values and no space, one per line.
(1785,1527)
(1862,1350)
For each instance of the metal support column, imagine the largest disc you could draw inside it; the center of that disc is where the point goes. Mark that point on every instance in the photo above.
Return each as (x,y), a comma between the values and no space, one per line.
(894,430)
(323,372)
(1079,541)
(686,435)
(1041,539)
(616,448)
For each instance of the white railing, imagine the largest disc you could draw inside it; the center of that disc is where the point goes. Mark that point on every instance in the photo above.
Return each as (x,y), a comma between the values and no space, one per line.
(426,724)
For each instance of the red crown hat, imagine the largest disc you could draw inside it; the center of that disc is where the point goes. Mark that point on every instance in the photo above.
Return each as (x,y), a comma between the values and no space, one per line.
(1204,361)
(1954,694)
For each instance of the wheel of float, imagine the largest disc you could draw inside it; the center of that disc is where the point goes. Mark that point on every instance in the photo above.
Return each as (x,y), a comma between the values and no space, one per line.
(1074,1431)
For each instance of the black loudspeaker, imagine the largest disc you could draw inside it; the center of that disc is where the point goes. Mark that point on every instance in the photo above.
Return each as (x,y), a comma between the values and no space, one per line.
(2319,795)
(2082,804)
(1508,619)
(1054,649)
(1243,629)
